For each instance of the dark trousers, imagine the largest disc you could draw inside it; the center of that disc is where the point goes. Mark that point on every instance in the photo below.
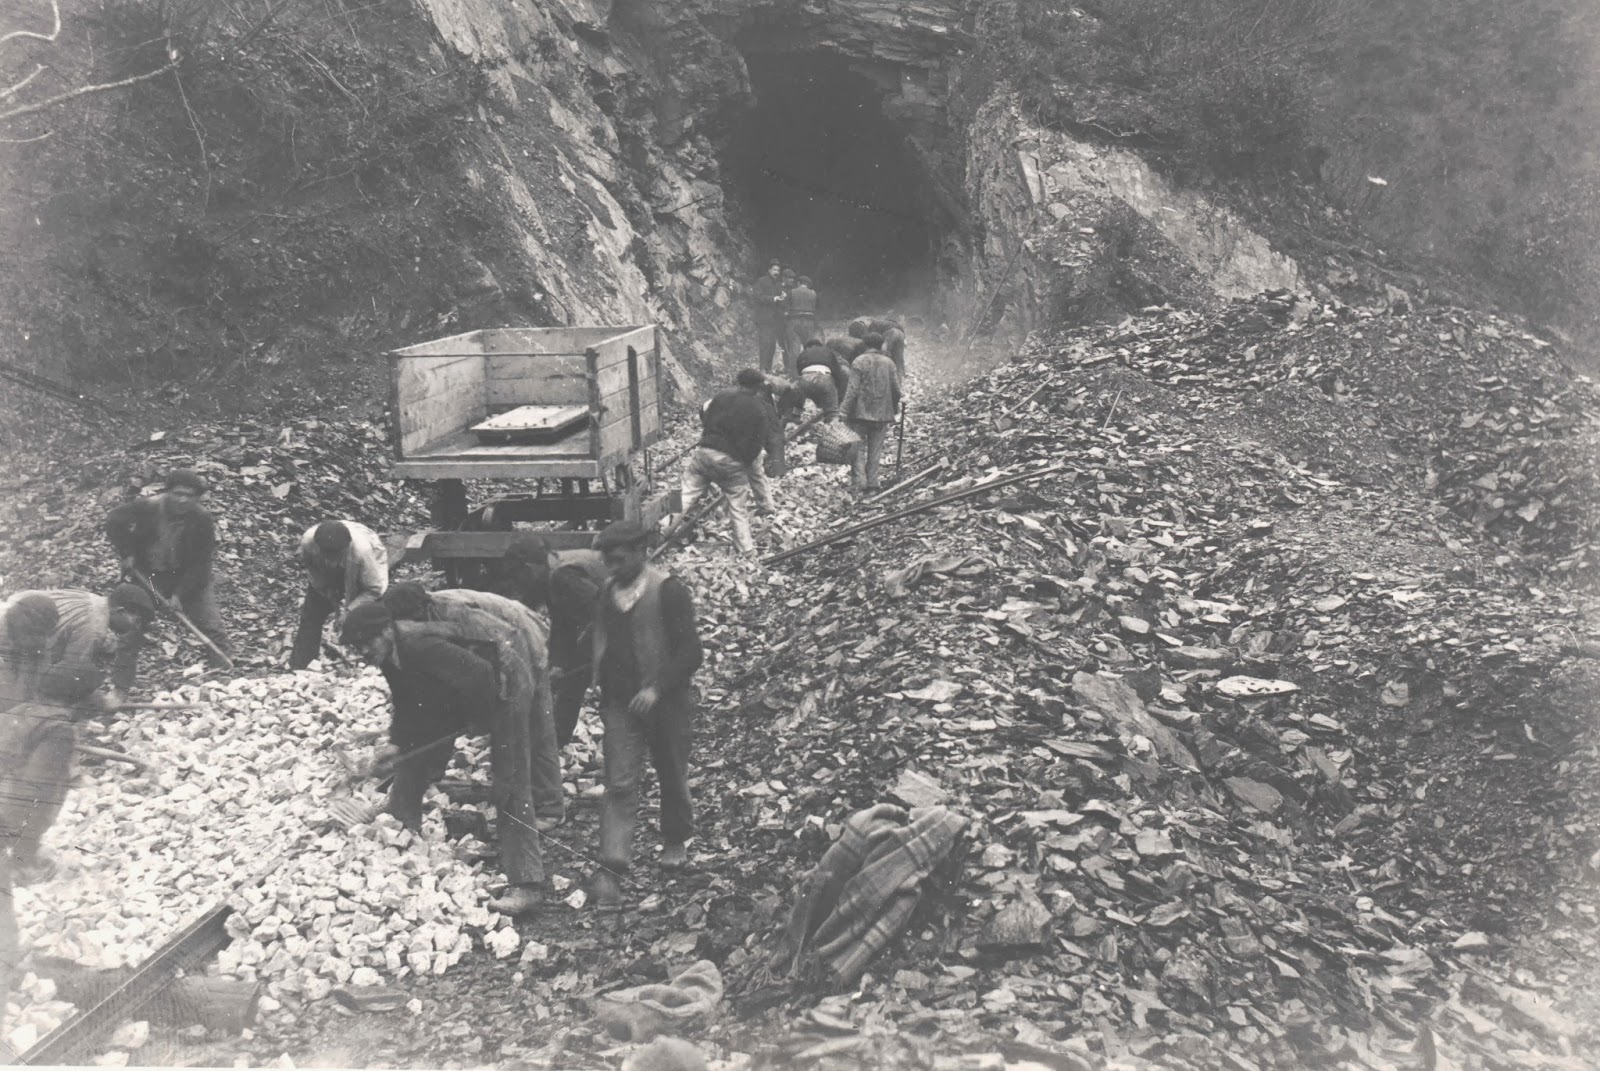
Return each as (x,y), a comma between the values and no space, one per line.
(664,735)
(567,694)
(511,791)
(799,328)
(315,609)
(767,343)
(201,608)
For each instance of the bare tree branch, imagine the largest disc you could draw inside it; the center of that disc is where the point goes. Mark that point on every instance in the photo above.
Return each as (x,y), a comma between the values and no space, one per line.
(82,91)
(55,8)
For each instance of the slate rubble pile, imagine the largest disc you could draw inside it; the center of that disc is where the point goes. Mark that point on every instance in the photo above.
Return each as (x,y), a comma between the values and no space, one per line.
(1161,716)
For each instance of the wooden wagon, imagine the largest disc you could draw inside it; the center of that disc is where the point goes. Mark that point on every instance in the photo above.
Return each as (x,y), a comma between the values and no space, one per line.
(574,410)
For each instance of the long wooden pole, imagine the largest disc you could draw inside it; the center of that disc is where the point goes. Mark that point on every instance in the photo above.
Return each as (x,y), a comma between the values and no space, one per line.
(921,507)
(182,617)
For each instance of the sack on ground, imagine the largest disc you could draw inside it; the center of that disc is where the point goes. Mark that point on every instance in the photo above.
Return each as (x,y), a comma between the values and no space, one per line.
(836,444)
(640,1013)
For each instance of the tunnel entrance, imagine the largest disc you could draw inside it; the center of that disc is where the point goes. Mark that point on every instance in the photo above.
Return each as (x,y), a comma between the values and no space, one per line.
(831,185)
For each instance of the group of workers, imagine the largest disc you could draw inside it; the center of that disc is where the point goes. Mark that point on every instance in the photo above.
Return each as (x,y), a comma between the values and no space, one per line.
(516,664)
(859,379)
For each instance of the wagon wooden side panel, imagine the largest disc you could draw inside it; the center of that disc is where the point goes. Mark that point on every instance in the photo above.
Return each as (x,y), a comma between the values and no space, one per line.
(628,403)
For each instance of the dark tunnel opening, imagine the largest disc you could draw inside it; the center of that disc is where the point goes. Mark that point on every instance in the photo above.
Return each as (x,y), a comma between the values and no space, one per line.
(831,186)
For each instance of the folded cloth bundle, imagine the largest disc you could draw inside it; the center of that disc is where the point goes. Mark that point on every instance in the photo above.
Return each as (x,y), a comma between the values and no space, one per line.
(643,1011)
(867,884)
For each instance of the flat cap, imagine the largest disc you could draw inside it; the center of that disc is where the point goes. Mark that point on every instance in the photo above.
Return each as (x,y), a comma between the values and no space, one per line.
(407,601)
(132,597)
(620,534)
(364,622)
(528,547)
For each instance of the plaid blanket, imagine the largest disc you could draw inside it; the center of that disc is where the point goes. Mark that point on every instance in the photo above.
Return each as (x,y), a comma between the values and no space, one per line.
(866,886)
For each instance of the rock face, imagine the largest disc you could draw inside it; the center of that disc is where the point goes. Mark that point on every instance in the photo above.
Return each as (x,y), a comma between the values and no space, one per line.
(1077,232)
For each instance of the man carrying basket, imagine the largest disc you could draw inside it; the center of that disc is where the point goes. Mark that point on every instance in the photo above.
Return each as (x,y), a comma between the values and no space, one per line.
(870,407)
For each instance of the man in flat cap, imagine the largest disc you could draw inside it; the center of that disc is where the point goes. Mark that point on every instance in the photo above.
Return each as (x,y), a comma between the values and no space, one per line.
(646,651)
(346,563)
(564,585)
(442,686)
(171,540)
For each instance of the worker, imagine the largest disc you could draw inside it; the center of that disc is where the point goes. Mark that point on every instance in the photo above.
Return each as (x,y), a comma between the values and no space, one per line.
(893,335)
(846,349)
(870,407)
(563,584)
(734,433)
(768,298)
(771,462)
(170,541)
(800,321)
(646,651)
(37,734)
(440,688)
(512,638)
(346,563)
(87,645)
(824,378)
(25,630)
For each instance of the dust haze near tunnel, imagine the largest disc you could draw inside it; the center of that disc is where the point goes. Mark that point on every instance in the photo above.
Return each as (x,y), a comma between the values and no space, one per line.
(830,186)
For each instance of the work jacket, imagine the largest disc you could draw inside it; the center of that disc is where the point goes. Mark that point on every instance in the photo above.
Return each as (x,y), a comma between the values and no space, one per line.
(735,423)
(357,576)
(828,358)
(174,552)
(802,302)
(78,655)
(653,642)
(874,393)
(768,298)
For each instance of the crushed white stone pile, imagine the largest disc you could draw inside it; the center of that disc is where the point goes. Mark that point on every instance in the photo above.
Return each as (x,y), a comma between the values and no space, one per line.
(238,810)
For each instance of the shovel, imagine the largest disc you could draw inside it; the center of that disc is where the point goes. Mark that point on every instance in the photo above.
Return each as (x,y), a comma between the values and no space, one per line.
(182,617)
(348,812)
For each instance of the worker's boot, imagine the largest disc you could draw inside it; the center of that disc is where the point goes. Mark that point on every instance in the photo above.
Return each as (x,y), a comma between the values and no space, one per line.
(519,900)
(675,857)
(607,891)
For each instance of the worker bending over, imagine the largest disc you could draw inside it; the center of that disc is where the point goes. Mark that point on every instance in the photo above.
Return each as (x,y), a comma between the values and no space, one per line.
(734,433)
(171,541)
(441,688)
(824,379)
(564,585)
(892,334)
(346,564)
(92,639)
(646,651)
(514,640)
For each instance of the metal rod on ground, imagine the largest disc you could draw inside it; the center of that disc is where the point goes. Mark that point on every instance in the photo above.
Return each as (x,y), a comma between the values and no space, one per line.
(899,442)
(910,481)
(182,617)
(1113,412)
(1018,407)
(921,507)
(112,756)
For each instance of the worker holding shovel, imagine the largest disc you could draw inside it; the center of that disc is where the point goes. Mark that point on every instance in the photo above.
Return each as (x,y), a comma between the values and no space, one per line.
(168,543)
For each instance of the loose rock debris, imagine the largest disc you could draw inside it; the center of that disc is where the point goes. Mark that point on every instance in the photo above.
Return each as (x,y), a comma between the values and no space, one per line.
(1200,836)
